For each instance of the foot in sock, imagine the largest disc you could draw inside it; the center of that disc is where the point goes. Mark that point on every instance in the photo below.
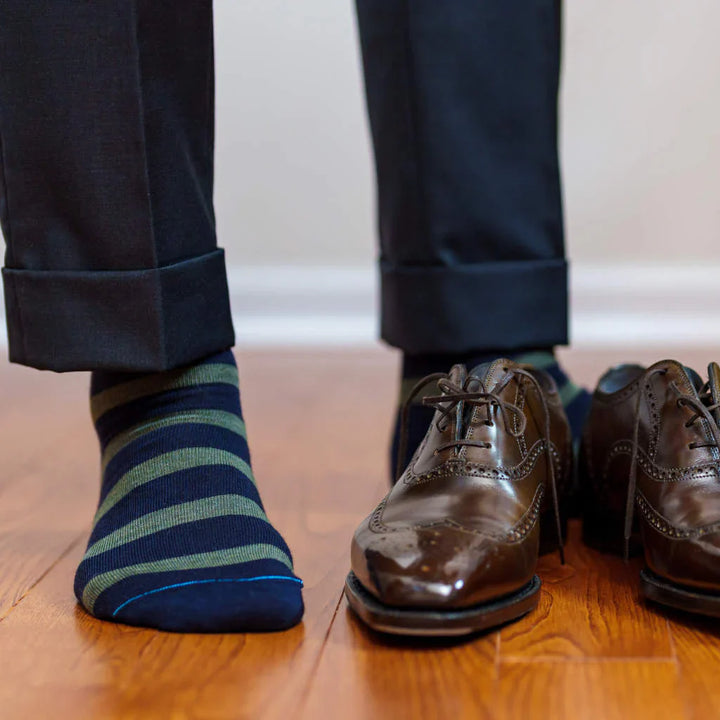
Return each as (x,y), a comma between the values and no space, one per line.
(576,400)
(180,539)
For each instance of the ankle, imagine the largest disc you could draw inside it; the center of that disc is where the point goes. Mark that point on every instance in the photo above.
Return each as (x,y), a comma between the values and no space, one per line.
(424,364)
(415,367)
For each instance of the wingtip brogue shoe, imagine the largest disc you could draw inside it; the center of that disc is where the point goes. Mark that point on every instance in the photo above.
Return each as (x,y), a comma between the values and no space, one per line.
(453,547)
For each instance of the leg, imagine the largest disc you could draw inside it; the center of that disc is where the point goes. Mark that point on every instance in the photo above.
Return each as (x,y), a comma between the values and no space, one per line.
(462,99)
(106,125)
(107,166)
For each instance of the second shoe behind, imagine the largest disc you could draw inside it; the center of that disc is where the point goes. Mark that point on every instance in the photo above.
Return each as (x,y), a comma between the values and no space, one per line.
(650,450)
(453,547)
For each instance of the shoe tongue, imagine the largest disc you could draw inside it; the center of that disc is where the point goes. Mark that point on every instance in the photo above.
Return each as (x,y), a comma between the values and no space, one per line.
(695,378)
(714,385)
(458,374)
(489,373)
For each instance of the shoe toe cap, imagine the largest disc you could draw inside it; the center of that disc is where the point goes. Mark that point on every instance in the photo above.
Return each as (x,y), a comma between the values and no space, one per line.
(441,567)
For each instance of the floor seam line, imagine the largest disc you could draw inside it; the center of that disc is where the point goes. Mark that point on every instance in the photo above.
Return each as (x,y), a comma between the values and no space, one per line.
(313,670)
(42,576)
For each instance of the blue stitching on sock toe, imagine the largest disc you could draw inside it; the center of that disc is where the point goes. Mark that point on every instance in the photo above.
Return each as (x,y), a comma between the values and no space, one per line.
(205,582)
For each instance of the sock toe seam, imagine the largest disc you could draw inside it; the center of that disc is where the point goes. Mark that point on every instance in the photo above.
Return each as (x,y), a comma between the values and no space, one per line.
(205,582)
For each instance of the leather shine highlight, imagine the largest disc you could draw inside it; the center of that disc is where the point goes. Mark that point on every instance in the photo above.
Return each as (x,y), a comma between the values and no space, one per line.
(677,498)
(461,525)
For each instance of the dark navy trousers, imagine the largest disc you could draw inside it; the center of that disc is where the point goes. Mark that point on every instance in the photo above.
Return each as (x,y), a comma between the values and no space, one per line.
(106,178)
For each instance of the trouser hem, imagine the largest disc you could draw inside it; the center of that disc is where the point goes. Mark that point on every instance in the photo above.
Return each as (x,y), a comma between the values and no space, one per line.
(130,320)
(488,306)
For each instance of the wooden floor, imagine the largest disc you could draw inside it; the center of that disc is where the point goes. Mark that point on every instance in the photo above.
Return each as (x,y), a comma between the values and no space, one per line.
(319,425)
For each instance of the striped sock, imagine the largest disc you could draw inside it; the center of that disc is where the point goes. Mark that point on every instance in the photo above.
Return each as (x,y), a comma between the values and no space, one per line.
(180,540)
(576,399)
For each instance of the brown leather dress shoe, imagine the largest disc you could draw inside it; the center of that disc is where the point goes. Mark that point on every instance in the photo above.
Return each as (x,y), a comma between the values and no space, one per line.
(452,549)
(651,442)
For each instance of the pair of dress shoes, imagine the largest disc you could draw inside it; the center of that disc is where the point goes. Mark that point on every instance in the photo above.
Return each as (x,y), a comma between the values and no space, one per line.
(453,548)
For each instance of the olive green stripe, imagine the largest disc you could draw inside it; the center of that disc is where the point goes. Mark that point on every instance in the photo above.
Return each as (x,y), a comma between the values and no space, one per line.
(540,360)
(161,382)
(181,514)
(216,558)
(219,418)
(167,463)
(568,393)
(543,360)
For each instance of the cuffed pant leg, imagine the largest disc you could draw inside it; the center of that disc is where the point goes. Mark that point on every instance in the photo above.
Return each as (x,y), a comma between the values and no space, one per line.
(106,140)
(462,99)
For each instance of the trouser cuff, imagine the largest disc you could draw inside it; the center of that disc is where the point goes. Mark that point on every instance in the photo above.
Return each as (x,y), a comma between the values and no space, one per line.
(134,320)
(488,306)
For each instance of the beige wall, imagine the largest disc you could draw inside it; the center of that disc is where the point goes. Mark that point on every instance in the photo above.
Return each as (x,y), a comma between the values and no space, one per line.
(641,118)
(293,173)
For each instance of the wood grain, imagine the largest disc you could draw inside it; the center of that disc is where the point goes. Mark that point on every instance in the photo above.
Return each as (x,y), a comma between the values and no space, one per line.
(79,666)
(589,690)
(318,425)
(588,608)
(49,477)
(697,644)
(366,675)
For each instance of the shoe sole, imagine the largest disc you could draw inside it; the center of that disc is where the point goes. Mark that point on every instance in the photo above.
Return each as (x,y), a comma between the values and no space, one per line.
(439,623)
(662,591)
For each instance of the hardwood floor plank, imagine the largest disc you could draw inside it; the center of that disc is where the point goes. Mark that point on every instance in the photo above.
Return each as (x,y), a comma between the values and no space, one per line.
(41,415)
(56,656)
(31,539)
(588,608)
(49,476)
(589,690)
(363,674)
(697,643)
(319,428)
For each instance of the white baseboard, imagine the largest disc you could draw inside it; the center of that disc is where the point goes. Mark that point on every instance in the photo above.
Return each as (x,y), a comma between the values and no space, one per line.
(304,306)
(645,305)
(612,306)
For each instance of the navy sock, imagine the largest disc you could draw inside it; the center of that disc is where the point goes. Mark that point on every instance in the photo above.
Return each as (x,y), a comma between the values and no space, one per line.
(180,539)
(576,400)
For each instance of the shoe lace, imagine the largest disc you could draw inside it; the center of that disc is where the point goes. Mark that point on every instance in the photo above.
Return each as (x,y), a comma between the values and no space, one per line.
(702,405)
(472,392)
